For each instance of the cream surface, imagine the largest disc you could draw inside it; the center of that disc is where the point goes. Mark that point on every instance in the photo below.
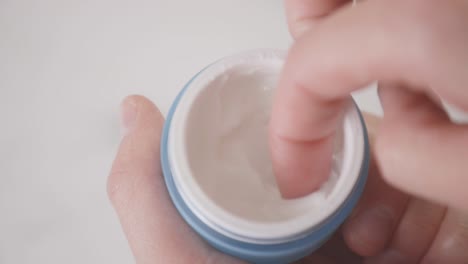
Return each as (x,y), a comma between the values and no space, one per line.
(227,145)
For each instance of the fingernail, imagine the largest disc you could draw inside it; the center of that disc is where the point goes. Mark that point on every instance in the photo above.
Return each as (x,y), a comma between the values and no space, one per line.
(129,111)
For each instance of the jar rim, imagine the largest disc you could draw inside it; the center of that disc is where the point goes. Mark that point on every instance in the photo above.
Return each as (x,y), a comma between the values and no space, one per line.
(225,222)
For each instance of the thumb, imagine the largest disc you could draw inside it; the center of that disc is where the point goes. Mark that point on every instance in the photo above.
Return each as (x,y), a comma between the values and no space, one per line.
(154,229)
(419,150)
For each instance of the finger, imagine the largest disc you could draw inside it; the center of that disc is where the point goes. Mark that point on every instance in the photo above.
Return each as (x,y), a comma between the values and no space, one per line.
(302,15)
(334,251)
(324,67)
(369,229)
(414,234)
(136,188)
(414,104)
(420,151)
(371,225)
(451,242)
(337,250)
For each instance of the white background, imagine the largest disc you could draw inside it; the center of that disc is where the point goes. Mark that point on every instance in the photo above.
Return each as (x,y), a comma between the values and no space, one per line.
(64,68)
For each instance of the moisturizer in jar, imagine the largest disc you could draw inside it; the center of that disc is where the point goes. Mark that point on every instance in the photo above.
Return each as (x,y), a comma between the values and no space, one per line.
(217,166)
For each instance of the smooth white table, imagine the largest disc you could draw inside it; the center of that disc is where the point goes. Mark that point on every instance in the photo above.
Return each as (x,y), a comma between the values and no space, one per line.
(64,68)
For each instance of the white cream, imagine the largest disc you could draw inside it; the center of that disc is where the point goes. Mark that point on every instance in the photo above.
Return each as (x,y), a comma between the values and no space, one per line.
(218,150)
(228,147)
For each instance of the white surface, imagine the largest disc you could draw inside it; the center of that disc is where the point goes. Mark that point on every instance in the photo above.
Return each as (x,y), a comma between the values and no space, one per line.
(64,68)
(219,154)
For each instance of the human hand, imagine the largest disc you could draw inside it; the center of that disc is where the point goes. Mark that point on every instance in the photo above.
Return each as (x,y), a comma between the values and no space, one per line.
(417,50)
(154,229)
(385,220)
(386,223)
(390,226)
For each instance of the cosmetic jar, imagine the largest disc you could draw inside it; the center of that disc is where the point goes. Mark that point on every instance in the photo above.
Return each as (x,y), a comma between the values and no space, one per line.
(217,168)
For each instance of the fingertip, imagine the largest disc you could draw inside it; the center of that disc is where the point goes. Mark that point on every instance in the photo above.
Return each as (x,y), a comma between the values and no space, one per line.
(297,185)
(295,189)
(368,232)
(136,107)
(138,101)
(300,167)
(128,113)
(131,101)
(141,126)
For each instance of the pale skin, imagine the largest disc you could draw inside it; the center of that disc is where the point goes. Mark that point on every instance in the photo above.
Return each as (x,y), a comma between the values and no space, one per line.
(414,208)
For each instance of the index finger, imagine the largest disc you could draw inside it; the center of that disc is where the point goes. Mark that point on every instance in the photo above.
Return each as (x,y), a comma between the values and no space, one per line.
(347,51)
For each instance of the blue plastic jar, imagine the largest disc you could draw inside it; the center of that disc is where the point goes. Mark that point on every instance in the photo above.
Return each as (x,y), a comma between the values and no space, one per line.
(279,241)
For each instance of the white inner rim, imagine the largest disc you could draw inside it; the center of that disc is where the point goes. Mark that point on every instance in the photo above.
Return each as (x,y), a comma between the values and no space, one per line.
(231,225)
